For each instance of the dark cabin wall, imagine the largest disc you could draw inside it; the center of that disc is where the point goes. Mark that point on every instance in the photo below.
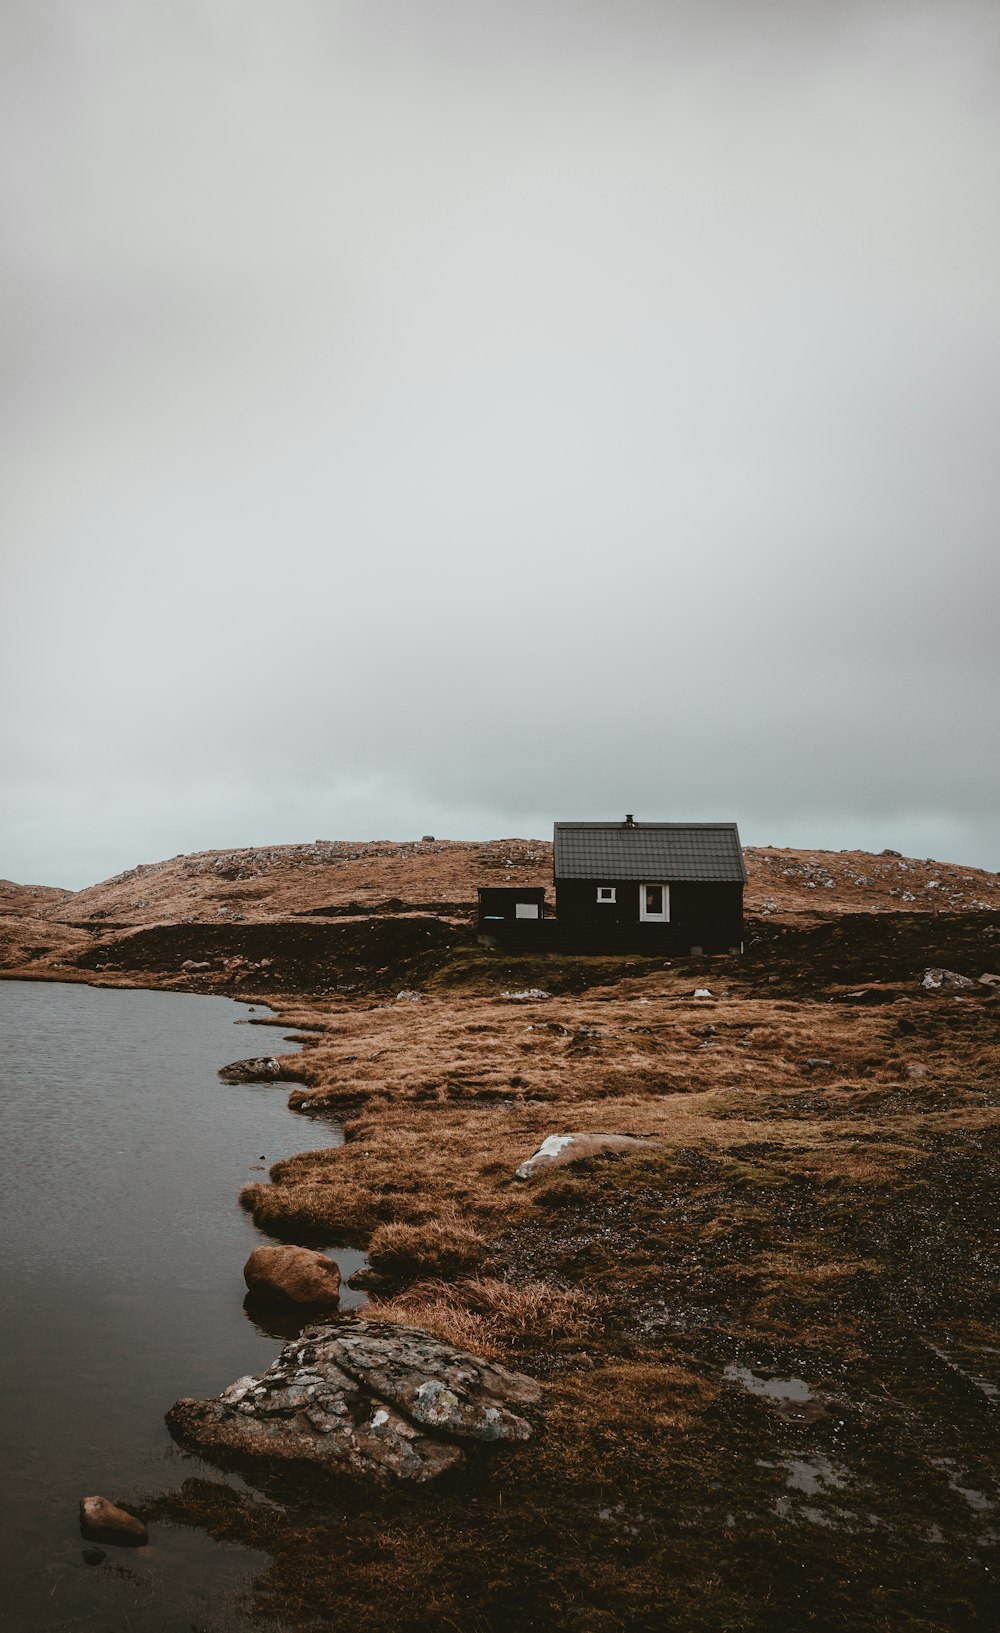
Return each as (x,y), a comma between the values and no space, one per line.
(700,914)
(576,902)
(708,915)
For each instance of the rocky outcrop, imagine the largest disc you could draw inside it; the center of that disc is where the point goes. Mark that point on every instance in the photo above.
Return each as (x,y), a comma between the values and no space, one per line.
(296,1274)
(377,1402)
(104,1521)
(560,1149)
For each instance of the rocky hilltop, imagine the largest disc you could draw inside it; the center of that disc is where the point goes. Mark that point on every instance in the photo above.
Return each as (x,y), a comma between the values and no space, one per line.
(433,874)
(318,915)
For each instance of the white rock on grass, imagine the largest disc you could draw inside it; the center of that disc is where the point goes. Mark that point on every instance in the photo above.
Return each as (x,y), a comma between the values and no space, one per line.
(946,981)
(702,992)
(559,1149)
(529,995)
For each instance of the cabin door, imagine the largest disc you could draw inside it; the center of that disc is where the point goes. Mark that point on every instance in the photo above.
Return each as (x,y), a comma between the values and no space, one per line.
(654,903)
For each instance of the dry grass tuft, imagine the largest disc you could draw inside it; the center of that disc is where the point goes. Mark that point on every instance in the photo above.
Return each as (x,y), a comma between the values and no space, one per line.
(488,1315)
(437,1247)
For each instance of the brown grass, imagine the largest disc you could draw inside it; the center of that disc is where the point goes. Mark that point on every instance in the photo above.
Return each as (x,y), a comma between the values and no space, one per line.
(439,1247)
(488,1315)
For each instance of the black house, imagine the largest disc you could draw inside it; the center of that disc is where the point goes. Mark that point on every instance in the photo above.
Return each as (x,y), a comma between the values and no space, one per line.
(675,886)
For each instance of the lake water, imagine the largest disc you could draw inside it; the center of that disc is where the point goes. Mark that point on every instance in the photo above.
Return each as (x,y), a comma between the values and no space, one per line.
(122,1245)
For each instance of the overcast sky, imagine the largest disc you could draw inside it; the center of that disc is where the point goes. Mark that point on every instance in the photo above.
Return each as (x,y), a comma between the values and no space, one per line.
(445,416)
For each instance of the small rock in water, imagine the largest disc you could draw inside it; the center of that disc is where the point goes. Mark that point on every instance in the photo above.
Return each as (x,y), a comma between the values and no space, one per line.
(94,1556)
(294,1273)
(107,1522)
(260,1069)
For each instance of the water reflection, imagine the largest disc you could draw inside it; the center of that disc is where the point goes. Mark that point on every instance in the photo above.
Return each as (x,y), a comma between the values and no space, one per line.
(121,1282)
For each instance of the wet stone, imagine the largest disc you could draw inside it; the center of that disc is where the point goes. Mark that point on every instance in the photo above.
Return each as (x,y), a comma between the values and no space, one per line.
(378,1402)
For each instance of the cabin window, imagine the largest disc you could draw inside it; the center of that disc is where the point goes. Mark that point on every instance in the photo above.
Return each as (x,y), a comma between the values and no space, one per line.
(526,910)
(654,902)
(605,893)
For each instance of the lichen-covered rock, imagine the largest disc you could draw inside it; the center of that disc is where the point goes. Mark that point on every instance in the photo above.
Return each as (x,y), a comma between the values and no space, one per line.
(379,1402)
(293,1273)
(559,1149)
(106,1522)
(440,1388)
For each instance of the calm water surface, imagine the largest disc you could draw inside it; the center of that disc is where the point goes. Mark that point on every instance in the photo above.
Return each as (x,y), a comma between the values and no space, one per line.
(121,1285)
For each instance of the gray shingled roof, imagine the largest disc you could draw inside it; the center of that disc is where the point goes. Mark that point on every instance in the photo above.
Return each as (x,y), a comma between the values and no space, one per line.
(661,852)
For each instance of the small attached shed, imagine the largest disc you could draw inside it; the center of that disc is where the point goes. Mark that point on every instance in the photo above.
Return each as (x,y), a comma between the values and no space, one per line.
(503,904)
(673,885)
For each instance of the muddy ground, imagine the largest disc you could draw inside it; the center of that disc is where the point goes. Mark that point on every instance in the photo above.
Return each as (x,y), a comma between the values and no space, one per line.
(770,1344)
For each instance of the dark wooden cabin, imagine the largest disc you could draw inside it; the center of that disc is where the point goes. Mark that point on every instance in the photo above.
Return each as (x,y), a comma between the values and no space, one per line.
(675,886)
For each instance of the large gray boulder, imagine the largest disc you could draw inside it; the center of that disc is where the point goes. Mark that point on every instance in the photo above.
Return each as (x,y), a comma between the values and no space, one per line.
(376,1401)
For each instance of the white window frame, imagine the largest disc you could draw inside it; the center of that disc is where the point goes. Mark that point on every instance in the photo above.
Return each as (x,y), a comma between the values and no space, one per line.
(654,918)
(607,893)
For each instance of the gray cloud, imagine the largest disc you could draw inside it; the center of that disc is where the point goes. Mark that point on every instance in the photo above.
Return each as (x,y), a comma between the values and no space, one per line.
(445,417)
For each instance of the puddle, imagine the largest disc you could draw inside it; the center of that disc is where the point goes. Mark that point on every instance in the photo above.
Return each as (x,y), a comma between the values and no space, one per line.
(976,1364)
(775,1389)
(814,1475)
(977,1500)
(792,1398)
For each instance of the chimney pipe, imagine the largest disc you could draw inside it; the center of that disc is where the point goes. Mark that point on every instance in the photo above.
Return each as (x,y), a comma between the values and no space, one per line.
(630,821)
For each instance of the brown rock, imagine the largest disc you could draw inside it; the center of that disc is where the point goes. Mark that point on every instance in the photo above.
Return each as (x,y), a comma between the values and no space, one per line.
(105,1522)
(294,1273)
